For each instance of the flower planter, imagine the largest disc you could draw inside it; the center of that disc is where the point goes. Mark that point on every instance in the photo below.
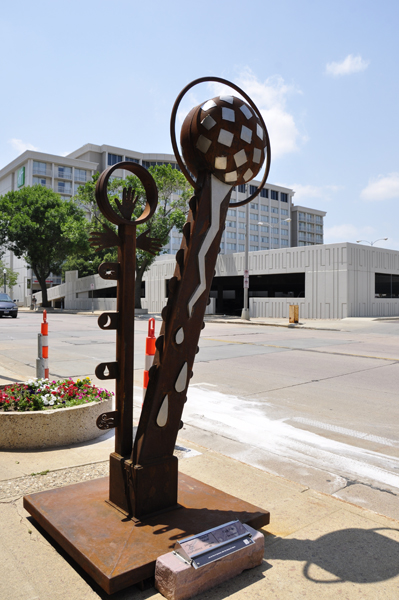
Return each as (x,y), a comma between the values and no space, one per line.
(51,428)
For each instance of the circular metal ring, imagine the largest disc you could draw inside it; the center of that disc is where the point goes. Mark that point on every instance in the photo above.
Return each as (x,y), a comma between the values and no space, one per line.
(150,189)
(176,148)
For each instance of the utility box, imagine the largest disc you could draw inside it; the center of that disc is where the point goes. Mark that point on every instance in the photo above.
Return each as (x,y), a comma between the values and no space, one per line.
(294,313)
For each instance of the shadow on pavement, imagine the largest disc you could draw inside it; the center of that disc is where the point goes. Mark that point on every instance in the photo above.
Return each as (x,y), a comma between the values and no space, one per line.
(354,555)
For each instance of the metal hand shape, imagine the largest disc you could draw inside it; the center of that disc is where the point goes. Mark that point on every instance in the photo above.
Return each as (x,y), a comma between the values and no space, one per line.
(129,201)
(104,239)
(148,244)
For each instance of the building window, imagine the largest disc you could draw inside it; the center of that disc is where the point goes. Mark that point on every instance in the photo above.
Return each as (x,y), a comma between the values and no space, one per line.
(64,187)
(253,217)
(39,181)
(241,236)
(302,216)
(319,228)
(241,189)
(231,246)
(230,223)
(264,208)
(129,159)
(264,193)
(264,240)
(319,239)
(284,232)
(273,195)
(241,214)
(254,248)
(284,242)
(386,285)
(283,197)
(241,225)
(253,227)
(284,212)
(231,235)
(80,175)
(113,159)
(252,189)
(319,219)
(302,243)
(274,220)
(241,248)
(222,245)
(264,229)
(265,219)
(253,206)
(253,238)
(274,210)
(231,212)
(274,229)
(40,168)
(64,172)
(276,241)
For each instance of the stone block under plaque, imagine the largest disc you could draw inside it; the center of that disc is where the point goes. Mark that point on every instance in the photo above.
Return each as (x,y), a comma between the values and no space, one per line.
(178,579)
(213,544)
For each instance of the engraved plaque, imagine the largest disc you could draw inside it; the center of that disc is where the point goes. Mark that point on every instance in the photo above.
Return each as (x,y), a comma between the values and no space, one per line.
(213,544)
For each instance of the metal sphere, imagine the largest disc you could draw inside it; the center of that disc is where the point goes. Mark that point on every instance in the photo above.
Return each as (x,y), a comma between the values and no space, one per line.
(225,136)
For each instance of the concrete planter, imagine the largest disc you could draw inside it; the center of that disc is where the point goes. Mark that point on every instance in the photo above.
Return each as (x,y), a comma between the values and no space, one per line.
(51,428)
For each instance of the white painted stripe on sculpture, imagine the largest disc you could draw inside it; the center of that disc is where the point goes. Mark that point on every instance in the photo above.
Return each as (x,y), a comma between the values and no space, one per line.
(181,380)
(219,191)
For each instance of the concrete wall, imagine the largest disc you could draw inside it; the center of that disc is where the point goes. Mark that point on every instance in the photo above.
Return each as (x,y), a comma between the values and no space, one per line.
(363,263)
(339,282)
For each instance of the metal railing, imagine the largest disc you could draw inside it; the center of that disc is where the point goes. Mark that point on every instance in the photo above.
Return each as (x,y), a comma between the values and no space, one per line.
(60,174)
(48,172)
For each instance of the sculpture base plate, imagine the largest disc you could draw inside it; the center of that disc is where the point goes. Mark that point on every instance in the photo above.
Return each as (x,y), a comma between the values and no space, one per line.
(118,552)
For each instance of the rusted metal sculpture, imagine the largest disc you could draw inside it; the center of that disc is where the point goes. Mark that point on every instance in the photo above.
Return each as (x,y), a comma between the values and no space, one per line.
(224,142)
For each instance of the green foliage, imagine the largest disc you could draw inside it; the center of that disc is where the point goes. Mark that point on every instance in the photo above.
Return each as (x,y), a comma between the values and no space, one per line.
(173,195)
(43,394)
(36,224)
(11,276)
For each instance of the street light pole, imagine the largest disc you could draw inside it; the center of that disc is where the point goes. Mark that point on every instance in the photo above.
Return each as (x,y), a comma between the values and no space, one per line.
(245,310)
(372,243)
(4,280)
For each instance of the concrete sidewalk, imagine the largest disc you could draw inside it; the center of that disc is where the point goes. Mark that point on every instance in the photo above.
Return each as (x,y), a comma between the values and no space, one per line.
(316,546)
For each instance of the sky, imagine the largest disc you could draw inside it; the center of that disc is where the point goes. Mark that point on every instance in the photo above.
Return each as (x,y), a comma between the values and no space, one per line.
(324,75)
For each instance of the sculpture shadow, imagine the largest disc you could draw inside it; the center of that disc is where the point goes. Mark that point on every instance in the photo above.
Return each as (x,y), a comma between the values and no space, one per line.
(352,555)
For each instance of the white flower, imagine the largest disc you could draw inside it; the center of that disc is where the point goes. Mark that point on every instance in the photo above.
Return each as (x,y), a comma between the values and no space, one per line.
(51,402)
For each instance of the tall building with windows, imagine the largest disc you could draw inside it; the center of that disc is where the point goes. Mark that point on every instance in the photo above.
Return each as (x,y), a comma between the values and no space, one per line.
(273,220)
(307,228)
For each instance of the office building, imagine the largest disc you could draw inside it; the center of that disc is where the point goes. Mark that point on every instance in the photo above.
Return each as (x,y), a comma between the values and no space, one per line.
(273,221)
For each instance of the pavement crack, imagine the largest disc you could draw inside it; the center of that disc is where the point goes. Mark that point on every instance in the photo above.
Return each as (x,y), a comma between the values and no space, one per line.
(285,387)
(350,482)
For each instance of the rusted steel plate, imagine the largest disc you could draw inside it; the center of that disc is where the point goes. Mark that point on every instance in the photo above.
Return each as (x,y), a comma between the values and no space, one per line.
(117,552)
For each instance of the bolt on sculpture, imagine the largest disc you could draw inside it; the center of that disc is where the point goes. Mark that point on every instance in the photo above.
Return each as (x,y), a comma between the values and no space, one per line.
(224,143)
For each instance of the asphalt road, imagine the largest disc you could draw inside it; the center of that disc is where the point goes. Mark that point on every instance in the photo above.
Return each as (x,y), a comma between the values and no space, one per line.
(317,406)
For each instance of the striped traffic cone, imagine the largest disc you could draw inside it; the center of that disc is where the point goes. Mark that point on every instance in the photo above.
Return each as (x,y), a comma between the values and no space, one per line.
(149,353)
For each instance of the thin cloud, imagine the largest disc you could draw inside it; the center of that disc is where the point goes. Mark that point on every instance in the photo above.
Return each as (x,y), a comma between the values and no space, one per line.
(383,188)
(303,192)
(20,146)
(350,64)
(270,96)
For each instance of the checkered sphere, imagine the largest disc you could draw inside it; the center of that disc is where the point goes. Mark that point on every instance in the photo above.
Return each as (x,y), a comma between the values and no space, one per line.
(226,137)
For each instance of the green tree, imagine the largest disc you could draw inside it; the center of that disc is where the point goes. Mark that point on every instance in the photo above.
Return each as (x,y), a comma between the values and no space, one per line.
(173,195)
(36,224)
(11,277)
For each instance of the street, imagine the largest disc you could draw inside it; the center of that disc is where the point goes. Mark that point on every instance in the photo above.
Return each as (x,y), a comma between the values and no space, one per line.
(316,406)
